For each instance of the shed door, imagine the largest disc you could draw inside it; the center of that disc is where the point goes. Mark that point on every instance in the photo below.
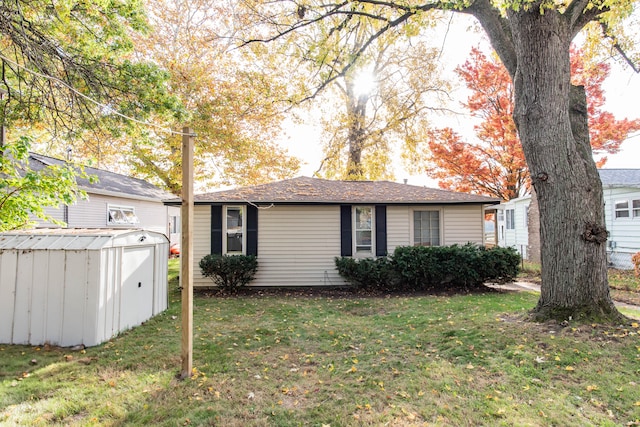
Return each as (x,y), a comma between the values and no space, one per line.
(136,304)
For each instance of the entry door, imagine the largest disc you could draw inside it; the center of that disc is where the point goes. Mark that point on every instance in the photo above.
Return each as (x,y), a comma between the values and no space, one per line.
(136,304)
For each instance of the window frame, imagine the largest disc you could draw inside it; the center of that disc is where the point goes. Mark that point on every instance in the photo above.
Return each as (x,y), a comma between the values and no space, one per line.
(123,210)
(354,232)
(635,208)
(619,211)
(412,224)
(243,215)
(510,219)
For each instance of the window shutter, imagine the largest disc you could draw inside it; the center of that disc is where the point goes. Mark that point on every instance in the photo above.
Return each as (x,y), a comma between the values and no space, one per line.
(381,230)
(252,230)
(345,230)
(216,230)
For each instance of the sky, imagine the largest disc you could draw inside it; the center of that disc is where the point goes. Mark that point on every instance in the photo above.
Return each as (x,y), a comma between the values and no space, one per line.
(622,89)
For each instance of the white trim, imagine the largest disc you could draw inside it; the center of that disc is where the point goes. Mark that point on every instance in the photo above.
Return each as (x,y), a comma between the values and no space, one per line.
(243,214)
(412,227)
(363,254)
(126,218)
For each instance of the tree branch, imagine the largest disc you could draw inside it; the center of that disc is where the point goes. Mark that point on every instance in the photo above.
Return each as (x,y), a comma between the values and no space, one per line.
(497,28)
(605,32)
(575,10)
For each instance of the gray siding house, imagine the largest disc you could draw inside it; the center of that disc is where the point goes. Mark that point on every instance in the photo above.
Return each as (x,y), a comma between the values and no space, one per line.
(297,227)
(115,201)
(621,193)
(622,214)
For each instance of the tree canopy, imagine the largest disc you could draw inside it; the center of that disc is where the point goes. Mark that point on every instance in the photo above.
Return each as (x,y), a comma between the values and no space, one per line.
(532,38)
(493,164)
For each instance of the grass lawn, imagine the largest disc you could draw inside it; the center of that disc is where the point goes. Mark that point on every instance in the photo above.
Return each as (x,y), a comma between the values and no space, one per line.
(296,359)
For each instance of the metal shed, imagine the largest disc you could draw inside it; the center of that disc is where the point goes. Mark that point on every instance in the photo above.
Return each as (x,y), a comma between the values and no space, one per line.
(69,287)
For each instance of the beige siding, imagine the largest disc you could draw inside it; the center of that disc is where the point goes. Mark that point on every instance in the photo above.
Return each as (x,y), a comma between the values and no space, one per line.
(459,224)
(398,227)
(462,224)
(297,246)
(201,242)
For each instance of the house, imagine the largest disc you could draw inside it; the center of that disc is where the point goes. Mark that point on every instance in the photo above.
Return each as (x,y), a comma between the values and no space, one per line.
(512,224)
(115,201)
(621,192)
(297,227)
(622,214)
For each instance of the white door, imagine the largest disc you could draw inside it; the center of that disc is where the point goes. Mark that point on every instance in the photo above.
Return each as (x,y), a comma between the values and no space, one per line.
(136,304)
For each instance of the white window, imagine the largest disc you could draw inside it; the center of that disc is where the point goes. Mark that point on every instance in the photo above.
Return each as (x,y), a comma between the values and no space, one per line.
(636,208)
(511,219)
(363,231)
(175,224)
(622,209)
(234,230)
(426,228)
(121,215)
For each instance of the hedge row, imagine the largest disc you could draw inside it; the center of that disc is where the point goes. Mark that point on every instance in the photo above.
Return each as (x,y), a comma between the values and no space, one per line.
(415,268)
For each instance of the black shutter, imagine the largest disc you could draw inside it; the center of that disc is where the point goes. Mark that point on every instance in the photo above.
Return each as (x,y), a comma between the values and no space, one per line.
(216,230)
(252,230)
(345,230)
(381,230)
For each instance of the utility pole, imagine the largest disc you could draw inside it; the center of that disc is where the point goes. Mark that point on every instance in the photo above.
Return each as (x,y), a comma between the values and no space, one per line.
(186,253)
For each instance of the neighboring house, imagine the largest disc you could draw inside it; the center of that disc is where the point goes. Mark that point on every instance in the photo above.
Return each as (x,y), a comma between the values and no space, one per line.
(297,227)
(512,228)
(622,214)
(621,191)
(115,201)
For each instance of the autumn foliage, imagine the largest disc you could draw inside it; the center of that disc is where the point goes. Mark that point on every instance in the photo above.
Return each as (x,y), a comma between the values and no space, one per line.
(494,164)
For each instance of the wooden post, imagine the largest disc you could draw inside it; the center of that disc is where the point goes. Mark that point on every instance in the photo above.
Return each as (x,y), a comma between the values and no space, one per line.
(186,253)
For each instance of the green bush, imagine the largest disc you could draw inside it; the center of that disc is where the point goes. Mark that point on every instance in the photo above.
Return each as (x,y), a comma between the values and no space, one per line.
(467,266)
(229,272)
(367,273)
(418,268)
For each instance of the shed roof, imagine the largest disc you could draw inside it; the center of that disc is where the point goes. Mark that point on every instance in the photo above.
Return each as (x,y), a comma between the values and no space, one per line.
(75,238)
(620,177)
(305,190)
(108,182)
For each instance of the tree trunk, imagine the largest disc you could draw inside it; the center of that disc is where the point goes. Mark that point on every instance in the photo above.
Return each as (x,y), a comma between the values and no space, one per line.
(357,114)
(533,227)
(550,116)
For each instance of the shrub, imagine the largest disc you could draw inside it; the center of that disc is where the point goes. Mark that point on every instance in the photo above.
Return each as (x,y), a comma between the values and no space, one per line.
(418,268)
(422,267)
(229,272)
(499,264)
(367,273)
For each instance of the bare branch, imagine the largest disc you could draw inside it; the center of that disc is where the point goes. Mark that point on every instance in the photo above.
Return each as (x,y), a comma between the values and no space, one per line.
(607,34)
(497,28)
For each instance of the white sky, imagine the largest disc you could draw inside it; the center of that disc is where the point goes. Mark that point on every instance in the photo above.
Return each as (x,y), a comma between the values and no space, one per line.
(622,89)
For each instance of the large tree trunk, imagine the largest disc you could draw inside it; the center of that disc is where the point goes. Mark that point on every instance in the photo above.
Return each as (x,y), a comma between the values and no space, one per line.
(533,228)
(550,116)
(357,109)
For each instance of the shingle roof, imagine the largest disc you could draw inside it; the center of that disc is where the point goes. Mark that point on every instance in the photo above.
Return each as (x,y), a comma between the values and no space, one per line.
(620,177)
(305,190)
(109,182)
